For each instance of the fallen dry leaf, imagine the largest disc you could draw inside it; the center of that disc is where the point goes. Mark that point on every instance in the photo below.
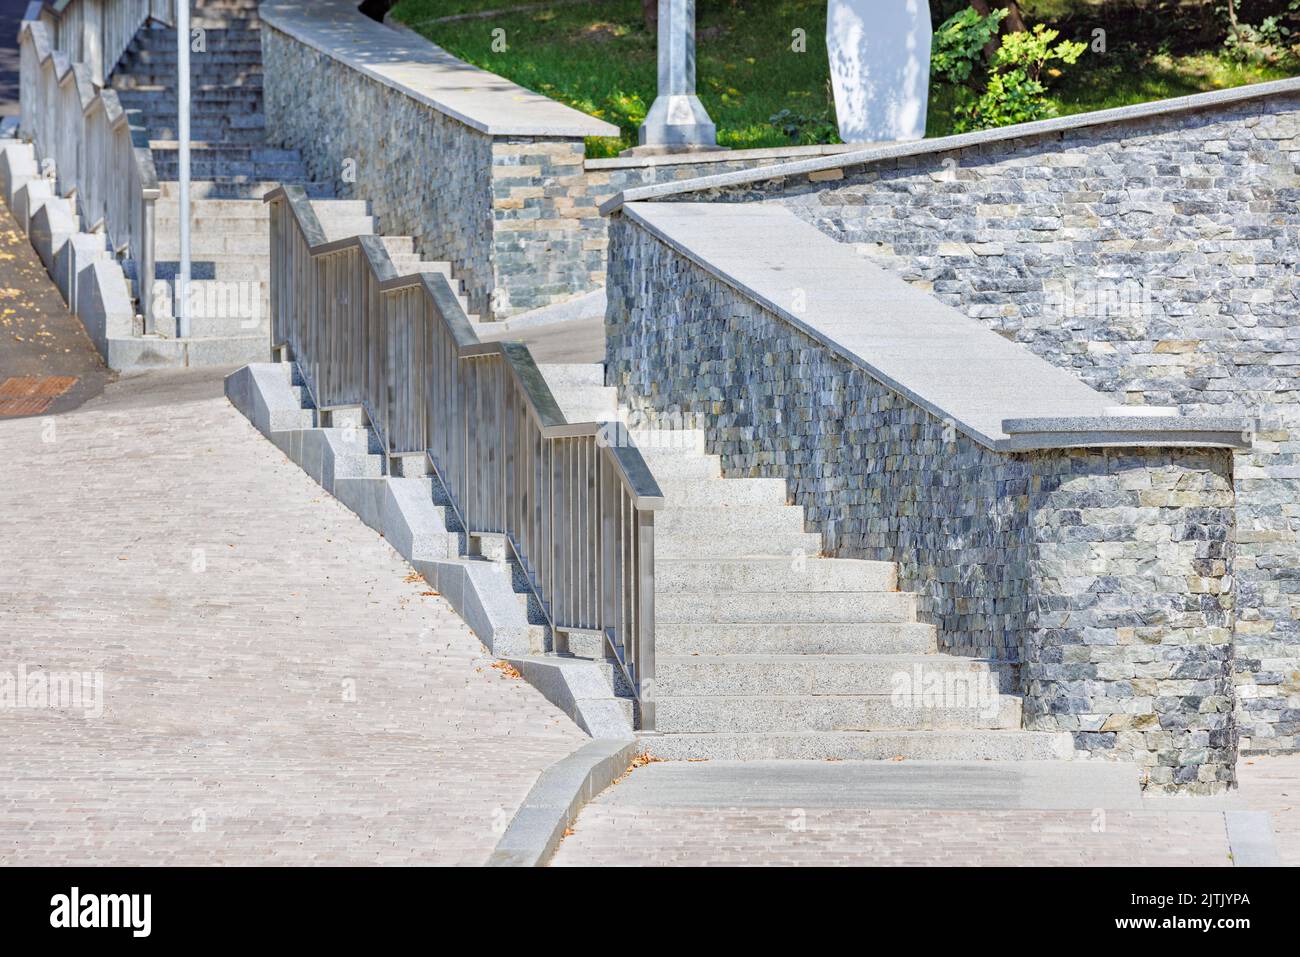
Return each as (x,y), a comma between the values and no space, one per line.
(642,759)
(507,669)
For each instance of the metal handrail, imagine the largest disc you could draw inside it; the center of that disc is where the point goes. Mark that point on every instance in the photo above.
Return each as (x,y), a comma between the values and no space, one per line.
(102,160)
(576,509)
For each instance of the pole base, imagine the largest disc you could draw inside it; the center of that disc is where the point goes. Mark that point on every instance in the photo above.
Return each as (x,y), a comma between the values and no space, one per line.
(678,120)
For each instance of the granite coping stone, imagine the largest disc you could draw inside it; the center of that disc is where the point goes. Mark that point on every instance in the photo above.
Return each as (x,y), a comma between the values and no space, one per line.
(408,63)
(1200,431)
(938,146)
(946,363)
(725,155)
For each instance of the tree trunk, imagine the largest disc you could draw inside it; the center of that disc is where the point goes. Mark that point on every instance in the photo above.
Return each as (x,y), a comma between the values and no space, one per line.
(1013,22)
(650,10)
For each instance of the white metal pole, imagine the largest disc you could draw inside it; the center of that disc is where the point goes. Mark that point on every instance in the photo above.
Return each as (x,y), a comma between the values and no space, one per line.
(183,134)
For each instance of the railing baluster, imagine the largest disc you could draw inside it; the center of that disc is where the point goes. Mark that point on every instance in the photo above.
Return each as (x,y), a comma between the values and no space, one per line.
(642,642)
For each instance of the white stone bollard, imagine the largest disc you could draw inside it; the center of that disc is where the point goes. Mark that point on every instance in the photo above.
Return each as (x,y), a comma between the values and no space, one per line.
(879,53)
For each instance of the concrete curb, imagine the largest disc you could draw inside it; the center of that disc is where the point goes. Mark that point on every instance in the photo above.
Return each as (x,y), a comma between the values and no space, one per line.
(1251,840)
(556,798)
(589,305)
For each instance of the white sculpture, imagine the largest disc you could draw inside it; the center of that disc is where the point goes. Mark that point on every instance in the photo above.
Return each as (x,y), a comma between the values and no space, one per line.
(879,54)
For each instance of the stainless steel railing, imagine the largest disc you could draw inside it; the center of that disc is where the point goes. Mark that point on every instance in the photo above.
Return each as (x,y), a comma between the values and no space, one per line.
(102,161)
(577,510)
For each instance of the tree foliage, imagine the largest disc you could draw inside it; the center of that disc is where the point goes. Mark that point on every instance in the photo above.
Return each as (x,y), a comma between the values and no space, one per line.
(1009,87)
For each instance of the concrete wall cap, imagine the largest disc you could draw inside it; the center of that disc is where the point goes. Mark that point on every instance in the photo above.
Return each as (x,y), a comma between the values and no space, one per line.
(1119,429)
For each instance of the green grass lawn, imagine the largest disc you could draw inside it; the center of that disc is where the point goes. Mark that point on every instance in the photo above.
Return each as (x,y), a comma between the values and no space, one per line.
(597,57)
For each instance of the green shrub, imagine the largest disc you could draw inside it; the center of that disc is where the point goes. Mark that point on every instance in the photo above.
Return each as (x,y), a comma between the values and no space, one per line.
(1010,89)
(805,130)
(1272,41)
(957,50)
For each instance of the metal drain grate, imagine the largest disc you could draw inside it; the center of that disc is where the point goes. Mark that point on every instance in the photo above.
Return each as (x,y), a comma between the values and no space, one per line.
(30,394)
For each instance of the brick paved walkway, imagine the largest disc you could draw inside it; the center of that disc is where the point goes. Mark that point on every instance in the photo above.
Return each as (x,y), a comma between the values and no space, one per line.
(234,610)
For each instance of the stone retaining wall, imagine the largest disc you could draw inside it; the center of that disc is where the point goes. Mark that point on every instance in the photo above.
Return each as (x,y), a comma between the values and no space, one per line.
(1159,259)
(425,174)
(1105,572)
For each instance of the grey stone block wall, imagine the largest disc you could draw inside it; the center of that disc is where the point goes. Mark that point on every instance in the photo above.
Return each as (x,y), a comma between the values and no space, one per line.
(1107,574)
(425,174)
(548,237)
(1128,641)
(1156,258)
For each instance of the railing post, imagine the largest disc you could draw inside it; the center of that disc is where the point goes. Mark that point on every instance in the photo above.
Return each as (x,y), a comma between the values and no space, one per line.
(183,162)
(147,266)
(645,619)
(609,492)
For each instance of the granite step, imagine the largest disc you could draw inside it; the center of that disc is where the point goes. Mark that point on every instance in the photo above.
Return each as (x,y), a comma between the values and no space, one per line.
(886,745)
(741,714)
(238,188)
(722,492)
(774,575)
(784,606)
(794,638)
(948,677)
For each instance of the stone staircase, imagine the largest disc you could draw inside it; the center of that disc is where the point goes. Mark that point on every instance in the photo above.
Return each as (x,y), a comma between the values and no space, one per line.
(766,649)
(232,168)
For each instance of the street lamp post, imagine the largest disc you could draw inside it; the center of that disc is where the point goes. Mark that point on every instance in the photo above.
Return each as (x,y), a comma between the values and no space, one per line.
(677,120)
(183,135)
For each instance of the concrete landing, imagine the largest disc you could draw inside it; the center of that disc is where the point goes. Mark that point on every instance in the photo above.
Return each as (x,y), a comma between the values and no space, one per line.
(569,341)
(927,813)
(275,684)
